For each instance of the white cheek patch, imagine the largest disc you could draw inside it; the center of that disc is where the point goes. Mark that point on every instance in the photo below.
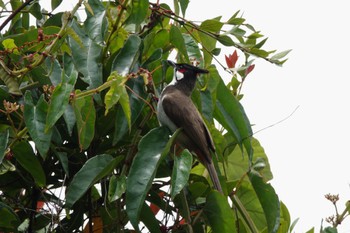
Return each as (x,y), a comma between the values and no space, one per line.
(179,75)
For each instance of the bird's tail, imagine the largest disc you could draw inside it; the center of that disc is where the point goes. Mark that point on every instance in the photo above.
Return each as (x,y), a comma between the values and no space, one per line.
(214,176)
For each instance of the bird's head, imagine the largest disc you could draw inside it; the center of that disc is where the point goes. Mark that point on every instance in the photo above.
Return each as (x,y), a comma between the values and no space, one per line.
(184,71)
(185,75)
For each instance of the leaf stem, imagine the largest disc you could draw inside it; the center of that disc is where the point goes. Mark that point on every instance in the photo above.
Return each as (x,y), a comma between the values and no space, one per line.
(187,214)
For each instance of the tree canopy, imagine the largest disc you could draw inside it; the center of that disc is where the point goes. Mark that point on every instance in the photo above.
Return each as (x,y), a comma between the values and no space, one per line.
(81,148)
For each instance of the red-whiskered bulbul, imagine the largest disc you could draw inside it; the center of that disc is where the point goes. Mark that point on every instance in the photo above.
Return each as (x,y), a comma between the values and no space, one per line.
(176,110)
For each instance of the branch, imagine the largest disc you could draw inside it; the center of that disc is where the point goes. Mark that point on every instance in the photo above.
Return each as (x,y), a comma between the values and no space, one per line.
(26,3)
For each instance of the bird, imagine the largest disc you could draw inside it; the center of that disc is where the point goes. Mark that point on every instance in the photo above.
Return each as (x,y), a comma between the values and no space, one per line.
(176,110)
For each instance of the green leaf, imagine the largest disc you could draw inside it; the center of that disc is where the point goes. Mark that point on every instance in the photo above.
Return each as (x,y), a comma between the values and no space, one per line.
(330,230)
(93,170)
(181,172)
(117,93)
(259,52)
(192,48)
(35,119)
(25,156)
(4,138)
(155,56)
(211,25)
(63,158)
(183,5)
(9,219)
(96,26)
(148,218)
(125,59)
(138,12)
(178,41)
(10,82)
(35,10)
(87,56)
(117,187)
(219,213)
(55,4)
(268,200)
(121,126)
(9,44)
(230,114)
(85,115)
(226,40)
(60,99)
(285,220)
(69,118)
(280,55)
(235,21)
(152,148)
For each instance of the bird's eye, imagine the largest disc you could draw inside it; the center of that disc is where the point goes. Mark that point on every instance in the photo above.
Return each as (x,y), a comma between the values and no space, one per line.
(182,70)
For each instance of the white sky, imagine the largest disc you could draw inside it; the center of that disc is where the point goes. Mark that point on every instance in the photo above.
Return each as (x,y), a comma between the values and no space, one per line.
(307,152)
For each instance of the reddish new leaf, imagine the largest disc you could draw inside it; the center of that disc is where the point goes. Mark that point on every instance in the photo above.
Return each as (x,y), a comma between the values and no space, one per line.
(249,69)
(231,59)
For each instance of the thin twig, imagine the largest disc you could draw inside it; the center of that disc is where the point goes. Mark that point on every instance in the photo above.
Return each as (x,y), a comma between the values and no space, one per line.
(14,13)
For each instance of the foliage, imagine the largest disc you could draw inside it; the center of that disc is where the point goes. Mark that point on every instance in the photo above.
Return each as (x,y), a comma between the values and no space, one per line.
(80,145)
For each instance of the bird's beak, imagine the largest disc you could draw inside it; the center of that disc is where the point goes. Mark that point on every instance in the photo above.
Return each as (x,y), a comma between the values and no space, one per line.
(173,64)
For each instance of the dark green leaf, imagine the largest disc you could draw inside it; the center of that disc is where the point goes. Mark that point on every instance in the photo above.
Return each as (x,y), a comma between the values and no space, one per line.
(192,49)
(181,172)
(4,137)
(183,5)
(226,40)
(125,59)
(25,156)
(54,71)
(117,187)
(235,21)
(96,27)
(85,115)
(148,218)
(230,113)
(60,99)
(93,170)
(35,119)
(35,10)
(138,12)
(9,219)
(63,158)
(151,150)
(330,230)
(156,56)
(121,126)
(178,41)
(69,118)
(87,56)
(219,213)
(268,200)
(55,4)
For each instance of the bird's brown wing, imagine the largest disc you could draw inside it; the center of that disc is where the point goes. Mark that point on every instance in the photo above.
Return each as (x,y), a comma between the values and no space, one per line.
(183,113)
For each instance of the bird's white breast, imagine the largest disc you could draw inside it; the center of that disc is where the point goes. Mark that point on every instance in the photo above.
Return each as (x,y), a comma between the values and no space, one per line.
(163,118)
